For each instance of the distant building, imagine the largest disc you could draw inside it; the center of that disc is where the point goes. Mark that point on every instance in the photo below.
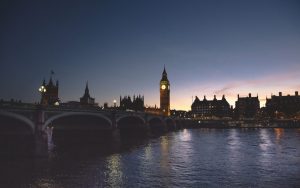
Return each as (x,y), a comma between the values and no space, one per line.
(179,113)
(164,94)
(137,104)
(153,110)
(208,109)
(246,107)
(105,105)
(71,104)
(86,99)
(49,93)
(283,106)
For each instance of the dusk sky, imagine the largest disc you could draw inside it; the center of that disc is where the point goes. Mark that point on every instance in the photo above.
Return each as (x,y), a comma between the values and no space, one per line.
(120,47)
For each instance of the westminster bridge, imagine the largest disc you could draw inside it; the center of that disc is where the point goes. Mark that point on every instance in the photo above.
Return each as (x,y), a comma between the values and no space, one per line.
(37,118)
(39,121)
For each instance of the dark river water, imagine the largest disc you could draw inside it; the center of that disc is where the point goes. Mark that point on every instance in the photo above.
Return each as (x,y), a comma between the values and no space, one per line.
(185,158)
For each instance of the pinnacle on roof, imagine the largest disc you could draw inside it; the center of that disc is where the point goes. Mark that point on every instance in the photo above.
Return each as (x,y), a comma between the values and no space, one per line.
(87,92)
(44,82)
(87,86)
(164,74)
(50,82)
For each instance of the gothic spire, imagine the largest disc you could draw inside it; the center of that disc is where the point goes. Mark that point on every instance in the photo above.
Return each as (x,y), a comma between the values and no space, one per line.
(87,87)
(44,82)
(51,81)
(164,74)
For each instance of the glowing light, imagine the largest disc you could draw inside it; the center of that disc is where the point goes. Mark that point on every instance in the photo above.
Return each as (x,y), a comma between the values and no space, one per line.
(42,89)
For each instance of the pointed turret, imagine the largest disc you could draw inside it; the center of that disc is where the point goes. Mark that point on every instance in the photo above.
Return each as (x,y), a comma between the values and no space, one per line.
(44,82)
(50,82)
(164,72)
(87,99)
(87,91)
(196,101)
(164,75)
(87,86)
(215,97)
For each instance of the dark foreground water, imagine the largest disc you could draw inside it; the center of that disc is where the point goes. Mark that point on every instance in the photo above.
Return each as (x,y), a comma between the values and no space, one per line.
(186,158)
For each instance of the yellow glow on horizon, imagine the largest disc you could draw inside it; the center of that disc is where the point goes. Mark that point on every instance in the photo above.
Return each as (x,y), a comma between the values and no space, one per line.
(184,102)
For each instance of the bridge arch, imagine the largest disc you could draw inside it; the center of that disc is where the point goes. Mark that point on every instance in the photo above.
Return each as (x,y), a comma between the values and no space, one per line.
(155,117)
(170,123)
(157,124)
(129,116)
(134,116)
(21,118)
(51,119)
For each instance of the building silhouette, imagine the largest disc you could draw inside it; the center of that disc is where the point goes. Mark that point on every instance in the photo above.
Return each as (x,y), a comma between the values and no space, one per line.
(49,96)
(86,99)
(136,104)
(246,107)
(179,114)
(153,110)
(164,89)
(283,106)
(208,109)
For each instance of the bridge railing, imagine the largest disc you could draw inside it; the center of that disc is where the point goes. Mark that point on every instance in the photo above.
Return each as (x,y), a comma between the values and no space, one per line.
(61,108)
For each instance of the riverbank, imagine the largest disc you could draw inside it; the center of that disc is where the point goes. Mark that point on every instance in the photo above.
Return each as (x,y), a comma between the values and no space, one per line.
(189,123)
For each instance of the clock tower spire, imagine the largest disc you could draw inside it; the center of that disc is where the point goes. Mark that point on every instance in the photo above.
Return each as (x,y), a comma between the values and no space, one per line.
(165,94)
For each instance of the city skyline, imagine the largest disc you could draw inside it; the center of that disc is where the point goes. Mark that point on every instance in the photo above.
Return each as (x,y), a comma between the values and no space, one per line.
(209,48)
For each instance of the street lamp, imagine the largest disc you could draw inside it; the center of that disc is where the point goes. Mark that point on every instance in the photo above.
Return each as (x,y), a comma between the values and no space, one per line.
(115,103)
(42,89)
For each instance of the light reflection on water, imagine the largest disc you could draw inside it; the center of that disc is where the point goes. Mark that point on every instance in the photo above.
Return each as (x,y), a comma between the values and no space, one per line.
(114,172)
(279,132)
(234,155)
(265,142)
(186,158)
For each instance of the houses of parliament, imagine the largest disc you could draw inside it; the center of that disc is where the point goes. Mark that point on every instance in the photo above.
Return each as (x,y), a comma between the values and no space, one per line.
(49,96)
(248,107)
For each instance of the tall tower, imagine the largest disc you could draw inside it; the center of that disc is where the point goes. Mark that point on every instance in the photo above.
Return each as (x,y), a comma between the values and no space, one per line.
(86,99)
(165,94)
(49,92)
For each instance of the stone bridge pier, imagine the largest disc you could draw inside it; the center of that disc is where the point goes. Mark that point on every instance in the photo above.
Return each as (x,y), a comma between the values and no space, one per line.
(41,135)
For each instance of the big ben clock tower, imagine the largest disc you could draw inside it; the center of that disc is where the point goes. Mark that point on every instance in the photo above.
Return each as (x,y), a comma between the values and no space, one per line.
(165,94)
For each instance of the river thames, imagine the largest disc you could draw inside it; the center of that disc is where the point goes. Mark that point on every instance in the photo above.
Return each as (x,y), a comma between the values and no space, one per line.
(185,158)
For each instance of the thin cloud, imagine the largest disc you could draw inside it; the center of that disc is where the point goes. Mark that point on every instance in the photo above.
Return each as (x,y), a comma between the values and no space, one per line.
(227,88)
(268,80)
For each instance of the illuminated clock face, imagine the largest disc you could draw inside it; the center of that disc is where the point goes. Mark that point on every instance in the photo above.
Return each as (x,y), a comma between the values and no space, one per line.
(163,86)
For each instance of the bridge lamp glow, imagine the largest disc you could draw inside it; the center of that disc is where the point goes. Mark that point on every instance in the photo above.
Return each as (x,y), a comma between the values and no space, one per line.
(42,89)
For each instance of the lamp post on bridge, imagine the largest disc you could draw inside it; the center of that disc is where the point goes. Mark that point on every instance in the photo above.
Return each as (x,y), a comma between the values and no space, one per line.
(115,103)
(42,90)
